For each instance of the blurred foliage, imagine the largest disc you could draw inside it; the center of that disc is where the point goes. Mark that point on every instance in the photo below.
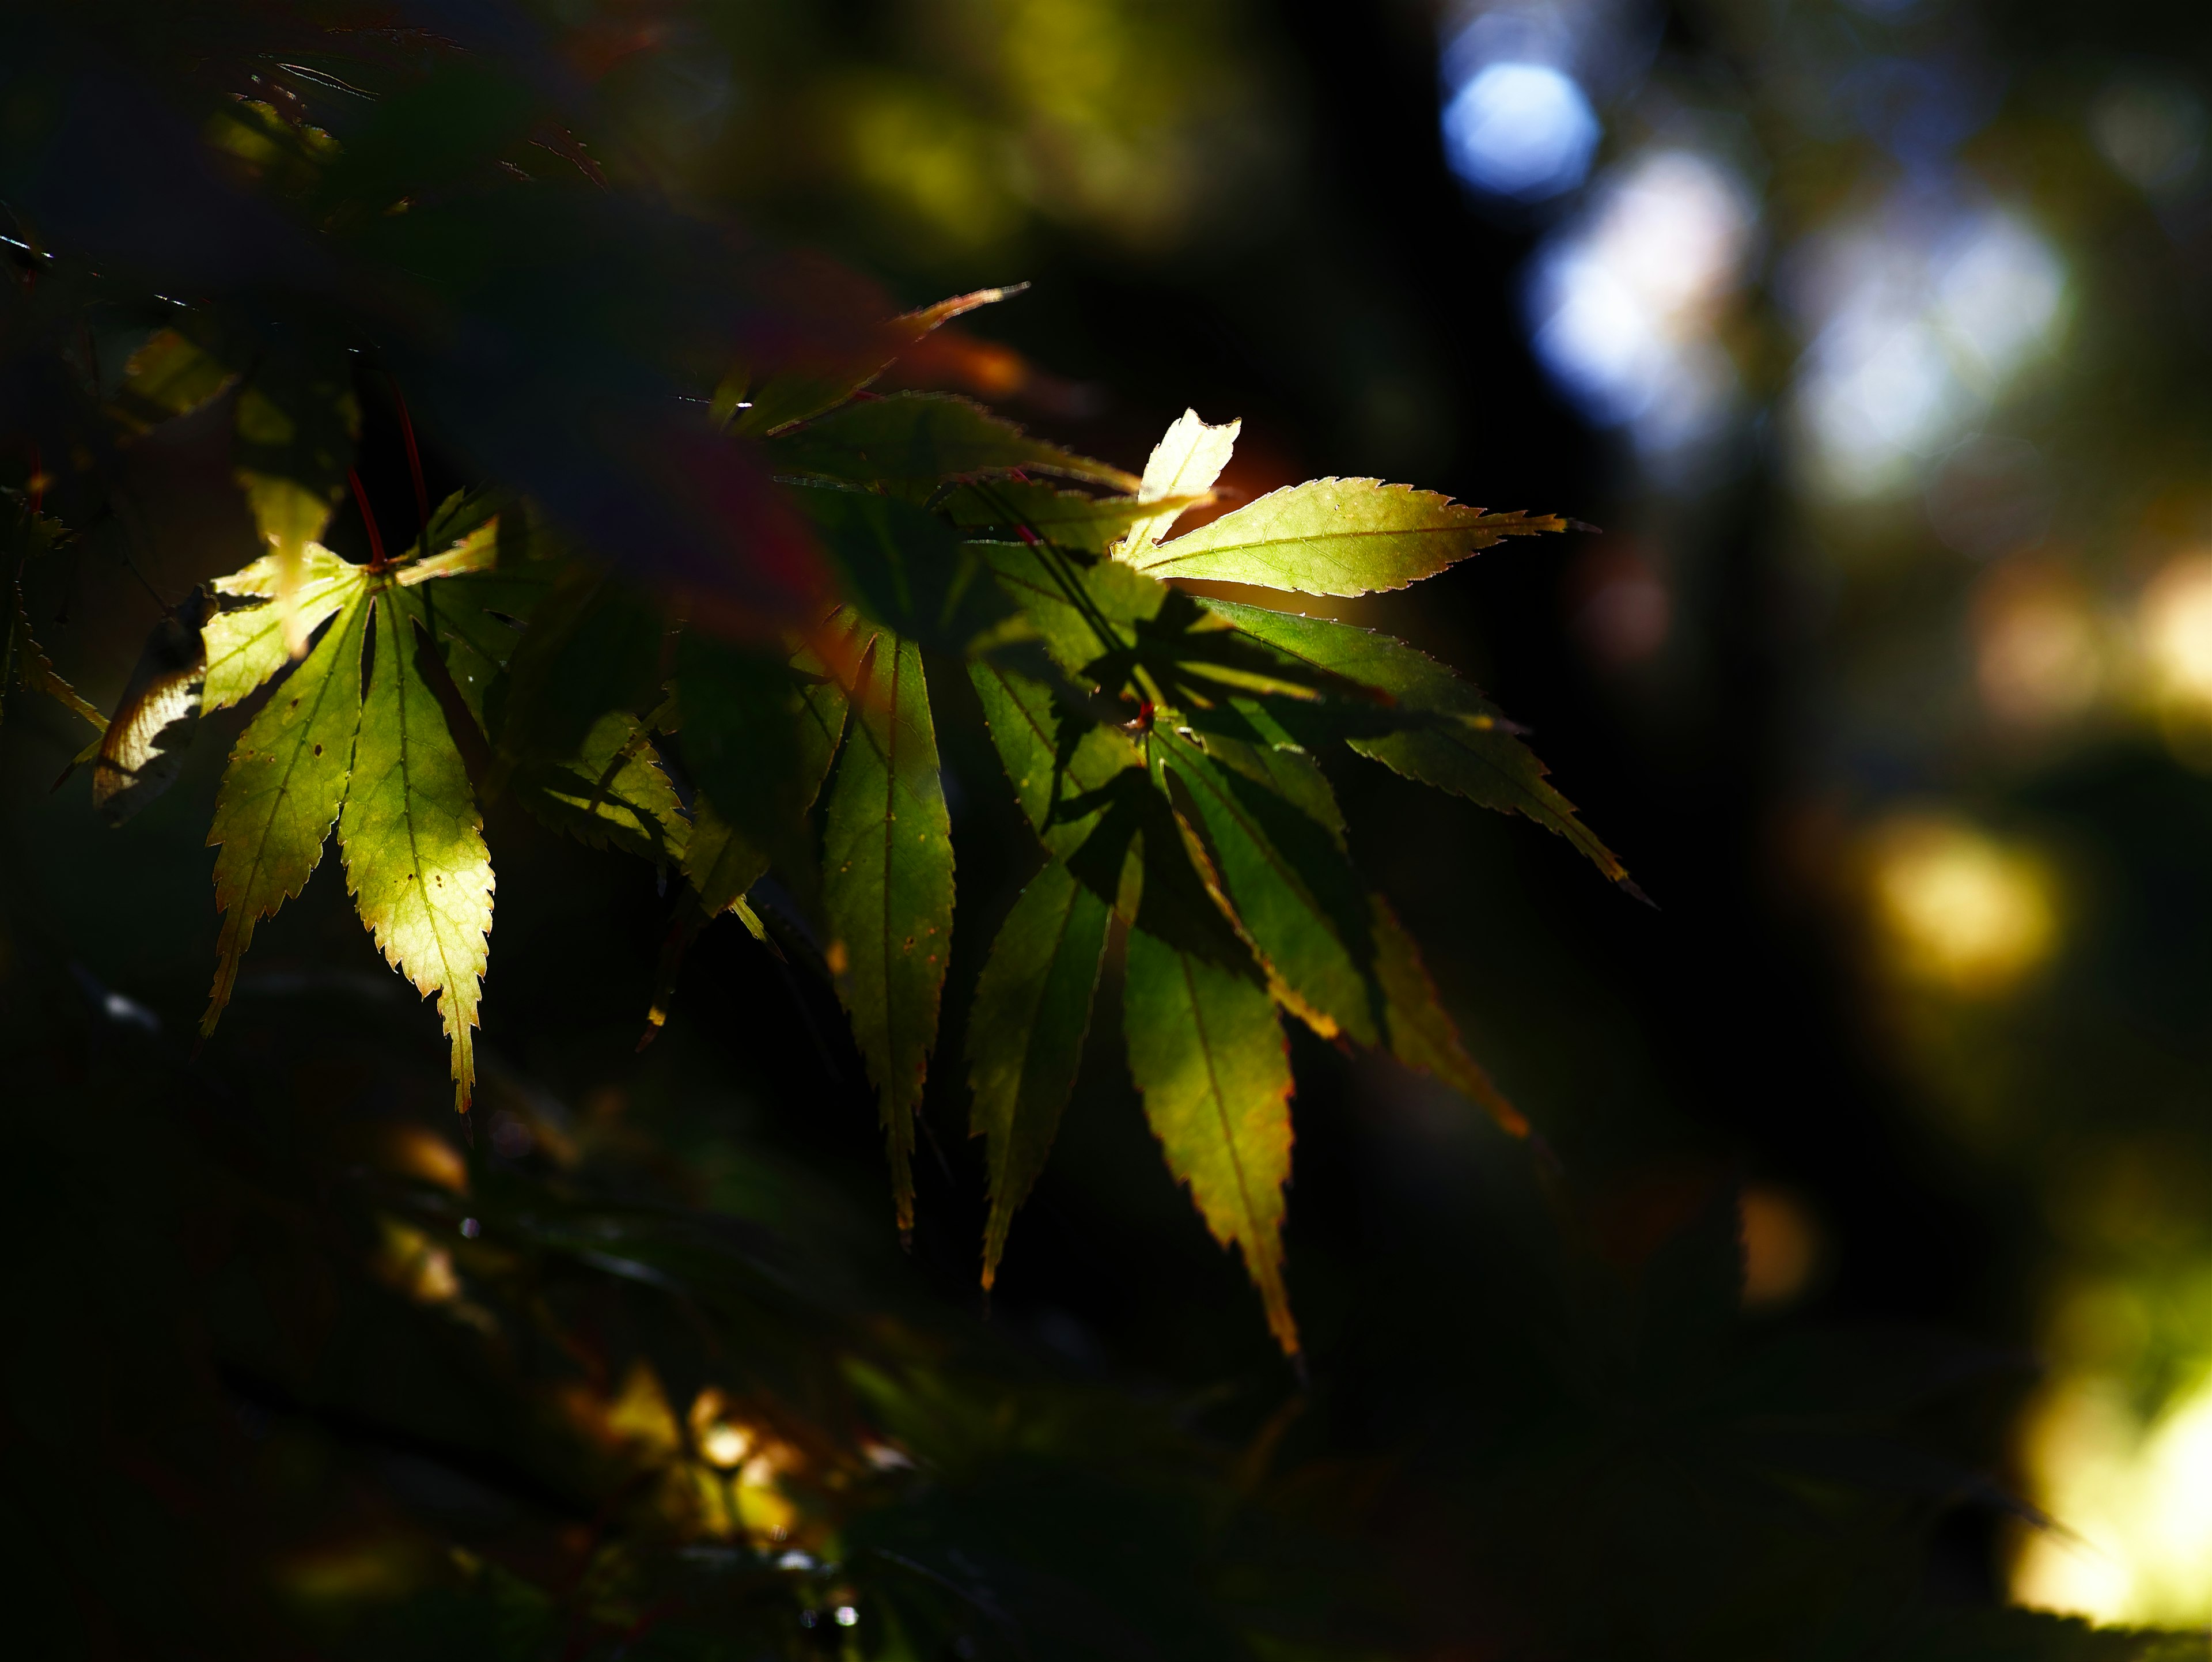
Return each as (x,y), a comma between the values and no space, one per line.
(639,1372)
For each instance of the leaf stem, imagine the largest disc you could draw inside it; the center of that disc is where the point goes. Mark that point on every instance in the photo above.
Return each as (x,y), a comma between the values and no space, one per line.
(377,563)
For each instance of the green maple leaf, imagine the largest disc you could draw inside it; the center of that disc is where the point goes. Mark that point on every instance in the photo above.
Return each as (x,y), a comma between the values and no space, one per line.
(1026,1033)
(613,793)
(1470,749)
(1206,1048)
(906,444)
(281,792)
(887,889)
(415,855)
(1336,537)
(1282,876)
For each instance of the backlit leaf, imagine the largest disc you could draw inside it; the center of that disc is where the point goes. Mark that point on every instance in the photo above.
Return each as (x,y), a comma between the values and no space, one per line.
(144,743)
(414,856)
(281,792)
(1469,751)
(907,443)
(887,889)
(1085,788)
(1182,468)
(1286,880)
(1337,536)
(611,794)
(1066,519)
(245,640)
(1206,1049)
(170,376)
(1026,1035)
(296,421)
(721,861)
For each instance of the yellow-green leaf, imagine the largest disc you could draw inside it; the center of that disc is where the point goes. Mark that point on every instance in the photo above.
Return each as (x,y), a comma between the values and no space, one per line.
(1337,536)
(1206,1049)
(1180,470)
(1025,1035)
(281,792)
(887,889)
(414,856)
(170,376)
(245,641)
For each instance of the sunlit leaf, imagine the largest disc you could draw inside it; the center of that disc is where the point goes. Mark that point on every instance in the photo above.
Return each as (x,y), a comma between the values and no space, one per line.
(1337,536)
(1085,788)
(414,856)
(1182,469)
(611,794)
(244,634)
(1025,1032)
(1068,519)
(1285,878)
(296,424)
(145,742)
(281,792)
(1206,1049)
(887,889)
(1470,752)
(1058,762)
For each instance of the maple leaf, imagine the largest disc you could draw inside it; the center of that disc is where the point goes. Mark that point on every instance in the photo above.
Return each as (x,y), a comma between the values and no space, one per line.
(780,399)
(143,744)
(1066,519)
(1336,537)
(887,889)
(1207,1051)
(1025,1032)
(907,443)
(245,640)
(24,663)
(1470,752)
(170,376)
(412,839)
(1282,877)
(760,732)
(613,793)
(295,426)
(281,792)
(1181,470)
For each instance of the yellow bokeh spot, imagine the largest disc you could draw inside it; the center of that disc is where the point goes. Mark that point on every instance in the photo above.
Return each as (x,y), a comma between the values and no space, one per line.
(2132,1502)
(2175,621)
(1958,909)
(409,1260)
